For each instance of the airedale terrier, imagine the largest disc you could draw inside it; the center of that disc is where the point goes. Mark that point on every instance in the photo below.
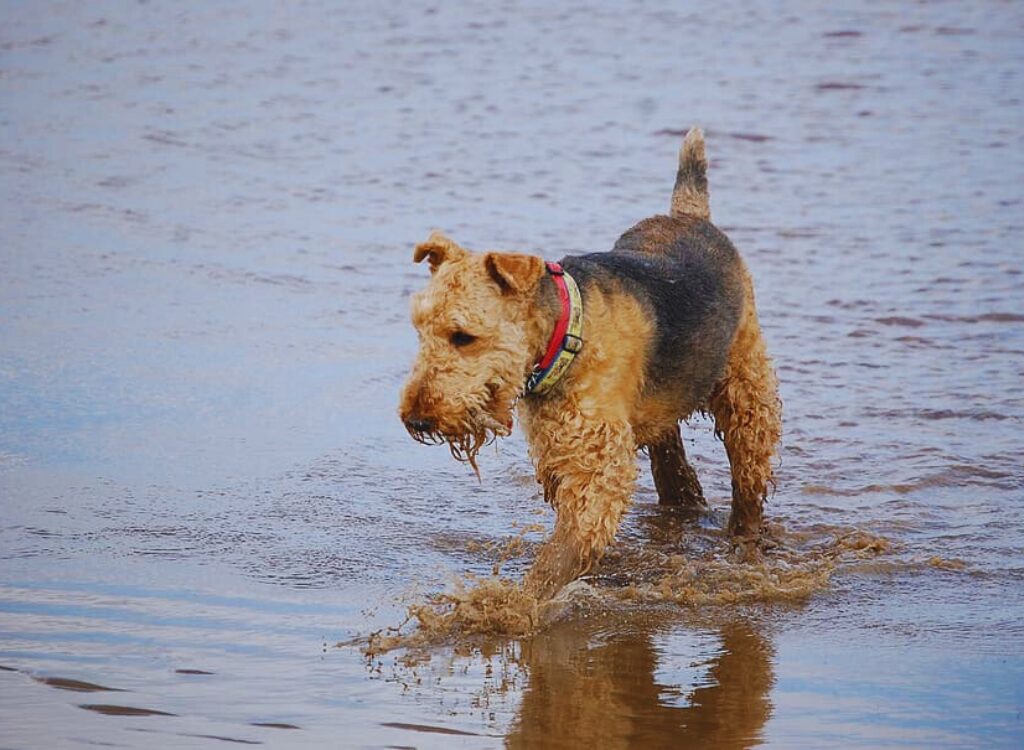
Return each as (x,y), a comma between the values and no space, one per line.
(601,355)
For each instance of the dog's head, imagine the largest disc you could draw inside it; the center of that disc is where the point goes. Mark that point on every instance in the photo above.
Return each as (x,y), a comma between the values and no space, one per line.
(478,333)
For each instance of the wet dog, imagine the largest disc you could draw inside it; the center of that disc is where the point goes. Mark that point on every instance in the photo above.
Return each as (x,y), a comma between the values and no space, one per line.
(601,355)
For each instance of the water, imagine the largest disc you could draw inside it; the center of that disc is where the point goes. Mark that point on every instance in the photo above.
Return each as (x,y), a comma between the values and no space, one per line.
(207,222)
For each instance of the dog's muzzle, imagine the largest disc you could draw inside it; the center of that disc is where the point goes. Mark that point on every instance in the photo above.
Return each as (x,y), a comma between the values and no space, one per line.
(419,424)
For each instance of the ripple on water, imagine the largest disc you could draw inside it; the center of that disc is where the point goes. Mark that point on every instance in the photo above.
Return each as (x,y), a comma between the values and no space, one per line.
(208,216)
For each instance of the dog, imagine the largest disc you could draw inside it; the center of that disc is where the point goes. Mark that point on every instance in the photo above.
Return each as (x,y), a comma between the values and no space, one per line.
(601,355)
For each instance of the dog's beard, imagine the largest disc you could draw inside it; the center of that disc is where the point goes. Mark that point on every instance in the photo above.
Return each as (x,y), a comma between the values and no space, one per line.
(465,440)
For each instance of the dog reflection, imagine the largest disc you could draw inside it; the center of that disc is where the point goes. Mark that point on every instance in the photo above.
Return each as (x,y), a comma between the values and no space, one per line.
(606,695)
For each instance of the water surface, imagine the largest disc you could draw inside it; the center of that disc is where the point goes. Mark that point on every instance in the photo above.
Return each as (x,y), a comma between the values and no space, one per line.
(207,223)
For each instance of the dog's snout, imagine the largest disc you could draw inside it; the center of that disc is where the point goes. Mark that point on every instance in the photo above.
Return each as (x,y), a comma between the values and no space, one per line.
(419,424)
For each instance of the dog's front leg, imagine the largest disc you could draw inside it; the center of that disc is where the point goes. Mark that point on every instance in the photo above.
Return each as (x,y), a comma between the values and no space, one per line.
(588,469)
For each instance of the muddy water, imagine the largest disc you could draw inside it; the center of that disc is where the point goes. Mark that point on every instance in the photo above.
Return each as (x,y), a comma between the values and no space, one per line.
(207,221)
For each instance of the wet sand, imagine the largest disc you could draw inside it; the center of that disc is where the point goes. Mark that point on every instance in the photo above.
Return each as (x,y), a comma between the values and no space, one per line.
(207,222)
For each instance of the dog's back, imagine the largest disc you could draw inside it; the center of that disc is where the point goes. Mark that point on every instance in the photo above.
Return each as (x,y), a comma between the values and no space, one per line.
(689,277)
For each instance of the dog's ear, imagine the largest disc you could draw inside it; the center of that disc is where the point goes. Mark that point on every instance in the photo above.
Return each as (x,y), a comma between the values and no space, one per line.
(514,272)
(437,249)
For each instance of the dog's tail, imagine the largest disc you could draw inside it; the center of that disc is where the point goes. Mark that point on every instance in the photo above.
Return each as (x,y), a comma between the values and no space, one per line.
(690,196)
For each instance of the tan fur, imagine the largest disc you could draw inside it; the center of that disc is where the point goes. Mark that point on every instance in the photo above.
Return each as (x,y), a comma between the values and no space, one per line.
(437,249)
(582,441)
(468,395)
(690,196)
(655,417)
(485,319)
(748,419)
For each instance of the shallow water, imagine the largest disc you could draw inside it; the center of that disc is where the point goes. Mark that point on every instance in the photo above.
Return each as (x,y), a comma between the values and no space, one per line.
(207,222)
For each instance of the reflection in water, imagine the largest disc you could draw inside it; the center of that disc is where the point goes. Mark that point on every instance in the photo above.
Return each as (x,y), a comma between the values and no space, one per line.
(608,695)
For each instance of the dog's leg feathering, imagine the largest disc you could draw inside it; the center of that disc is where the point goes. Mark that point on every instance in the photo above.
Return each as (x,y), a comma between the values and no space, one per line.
(588,470)
(748,419)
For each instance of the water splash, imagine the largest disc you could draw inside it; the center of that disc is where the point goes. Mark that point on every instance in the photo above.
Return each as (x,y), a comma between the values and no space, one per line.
(792,567)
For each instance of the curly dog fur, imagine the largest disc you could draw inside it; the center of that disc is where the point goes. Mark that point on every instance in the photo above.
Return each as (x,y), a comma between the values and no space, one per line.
(670,328)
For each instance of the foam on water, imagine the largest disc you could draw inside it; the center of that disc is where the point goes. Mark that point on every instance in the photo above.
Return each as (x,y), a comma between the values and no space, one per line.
(791,568)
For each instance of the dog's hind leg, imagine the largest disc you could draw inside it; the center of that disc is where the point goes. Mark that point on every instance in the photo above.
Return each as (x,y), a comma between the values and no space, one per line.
(674,478)
(748,419)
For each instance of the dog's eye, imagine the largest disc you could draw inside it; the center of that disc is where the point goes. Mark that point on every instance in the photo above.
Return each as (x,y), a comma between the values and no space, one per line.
(461,338)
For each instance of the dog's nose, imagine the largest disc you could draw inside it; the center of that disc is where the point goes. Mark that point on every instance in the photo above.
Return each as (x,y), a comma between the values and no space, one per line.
(419,424)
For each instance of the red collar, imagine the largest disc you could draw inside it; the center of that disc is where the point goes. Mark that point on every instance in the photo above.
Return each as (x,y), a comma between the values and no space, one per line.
(562,326)
(566,340)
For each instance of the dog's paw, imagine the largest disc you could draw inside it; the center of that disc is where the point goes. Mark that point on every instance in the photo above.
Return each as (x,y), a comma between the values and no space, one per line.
(574,597)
